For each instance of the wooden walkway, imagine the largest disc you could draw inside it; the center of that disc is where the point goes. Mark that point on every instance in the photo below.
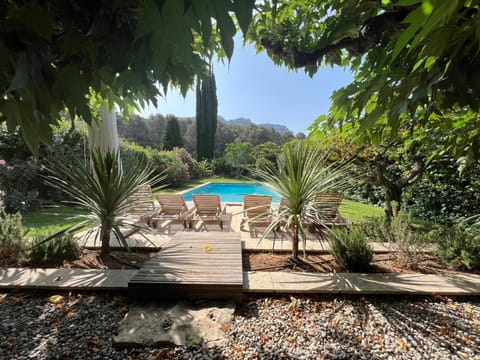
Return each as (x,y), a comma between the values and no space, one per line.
(204,265)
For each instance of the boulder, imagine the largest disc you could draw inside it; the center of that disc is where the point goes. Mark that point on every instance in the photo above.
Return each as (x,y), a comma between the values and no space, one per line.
(180,323)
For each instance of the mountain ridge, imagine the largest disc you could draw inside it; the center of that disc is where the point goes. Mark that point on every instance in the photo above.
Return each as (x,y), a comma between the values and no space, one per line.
(241,121)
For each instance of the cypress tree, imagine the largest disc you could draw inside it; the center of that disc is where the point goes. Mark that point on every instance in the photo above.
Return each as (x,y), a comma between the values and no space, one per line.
(171,136)
(206,115)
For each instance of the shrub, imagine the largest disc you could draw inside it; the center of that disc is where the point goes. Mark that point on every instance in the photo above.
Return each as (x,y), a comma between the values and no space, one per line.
(351,249)
(19,181)
(21,174)
(444,195)
(222,167)
(201,169)
(12,238)
(406,239)
(54,251)
(459,248)
(171,166)
(168,163)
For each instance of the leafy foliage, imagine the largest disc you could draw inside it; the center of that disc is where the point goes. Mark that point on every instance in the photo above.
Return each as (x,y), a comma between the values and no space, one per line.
(101,192)
(239,156)
(393,165)
(302,171)
(54,251)
(407,239)
(414,62)
(351,249)
(171,137)
(266,154)
(17,182)
(20,172)
(459,248)
(118,50)
(170,168)
(445,195)
(12,238)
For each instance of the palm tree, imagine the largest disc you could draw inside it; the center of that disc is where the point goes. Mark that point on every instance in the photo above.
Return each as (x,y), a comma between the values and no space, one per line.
(101,192)
(302,171)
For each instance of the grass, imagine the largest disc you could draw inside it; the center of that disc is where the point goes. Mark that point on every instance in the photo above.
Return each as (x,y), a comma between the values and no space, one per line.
(49,221)
(359,212)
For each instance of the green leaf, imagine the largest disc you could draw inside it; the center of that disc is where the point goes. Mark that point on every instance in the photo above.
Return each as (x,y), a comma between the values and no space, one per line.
(430,61)
(226,26)
(74,96)
(149,21)
(34,18)
(201,11)
(427,7)
(243,11)
(416,19)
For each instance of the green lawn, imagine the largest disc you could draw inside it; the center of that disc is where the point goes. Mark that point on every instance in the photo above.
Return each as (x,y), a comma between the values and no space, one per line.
(49,220)
(359,212)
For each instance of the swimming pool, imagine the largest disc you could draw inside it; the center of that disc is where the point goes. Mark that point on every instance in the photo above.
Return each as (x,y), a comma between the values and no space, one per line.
(233,192)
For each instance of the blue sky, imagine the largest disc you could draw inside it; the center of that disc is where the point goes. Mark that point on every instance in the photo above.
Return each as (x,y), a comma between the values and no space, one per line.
(253,87)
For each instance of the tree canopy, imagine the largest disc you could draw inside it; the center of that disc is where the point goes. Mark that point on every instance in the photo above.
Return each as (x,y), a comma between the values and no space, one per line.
(54,55)
(415,62)
(171,137)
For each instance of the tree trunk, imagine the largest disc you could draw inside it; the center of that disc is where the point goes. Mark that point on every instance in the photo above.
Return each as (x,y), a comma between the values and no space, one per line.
(105,241)
(392,194)
(295,239)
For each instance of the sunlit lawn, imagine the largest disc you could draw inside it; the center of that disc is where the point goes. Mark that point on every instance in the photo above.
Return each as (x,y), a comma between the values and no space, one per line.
(49,220)
(359,212)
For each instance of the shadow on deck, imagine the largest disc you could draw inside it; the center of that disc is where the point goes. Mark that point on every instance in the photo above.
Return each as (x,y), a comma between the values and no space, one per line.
(204,265)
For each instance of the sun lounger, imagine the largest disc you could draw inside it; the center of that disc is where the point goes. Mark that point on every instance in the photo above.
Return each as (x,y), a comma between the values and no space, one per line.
(257,212)
(207,210)
(141,207)
(173,210)
(325,213)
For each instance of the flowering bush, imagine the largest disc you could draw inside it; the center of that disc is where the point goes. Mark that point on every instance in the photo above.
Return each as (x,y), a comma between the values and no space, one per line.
(177,173)
(19,184)
(196,169)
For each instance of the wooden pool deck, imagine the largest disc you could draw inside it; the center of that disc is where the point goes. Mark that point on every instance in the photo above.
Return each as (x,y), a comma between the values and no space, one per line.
(200,265)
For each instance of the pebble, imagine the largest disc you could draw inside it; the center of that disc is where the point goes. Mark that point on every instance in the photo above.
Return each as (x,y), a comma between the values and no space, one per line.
(282,327)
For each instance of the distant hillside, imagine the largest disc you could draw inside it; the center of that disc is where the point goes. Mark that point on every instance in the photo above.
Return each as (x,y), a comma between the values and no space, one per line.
(246,122)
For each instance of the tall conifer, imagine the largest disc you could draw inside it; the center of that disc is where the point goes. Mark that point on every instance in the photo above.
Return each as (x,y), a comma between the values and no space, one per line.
(206,115)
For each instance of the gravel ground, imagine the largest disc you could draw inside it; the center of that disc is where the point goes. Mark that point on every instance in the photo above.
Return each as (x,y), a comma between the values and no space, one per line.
(81,327)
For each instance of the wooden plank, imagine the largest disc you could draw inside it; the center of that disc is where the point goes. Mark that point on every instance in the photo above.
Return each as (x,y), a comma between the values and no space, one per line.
(184,269)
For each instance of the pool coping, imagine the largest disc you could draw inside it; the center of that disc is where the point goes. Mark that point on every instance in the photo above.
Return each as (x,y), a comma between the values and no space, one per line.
(183,192)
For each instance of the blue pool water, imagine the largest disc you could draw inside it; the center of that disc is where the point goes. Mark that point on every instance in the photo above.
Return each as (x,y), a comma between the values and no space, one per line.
(233,192)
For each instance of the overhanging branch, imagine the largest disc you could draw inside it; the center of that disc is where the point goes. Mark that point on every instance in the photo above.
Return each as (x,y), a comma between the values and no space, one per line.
(368,37)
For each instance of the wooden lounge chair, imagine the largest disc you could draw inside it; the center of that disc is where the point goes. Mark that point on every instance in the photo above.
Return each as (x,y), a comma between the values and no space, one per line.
(141,207)
(327,205)
(173,210)
(207,210)
(256,212)
(326,214)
